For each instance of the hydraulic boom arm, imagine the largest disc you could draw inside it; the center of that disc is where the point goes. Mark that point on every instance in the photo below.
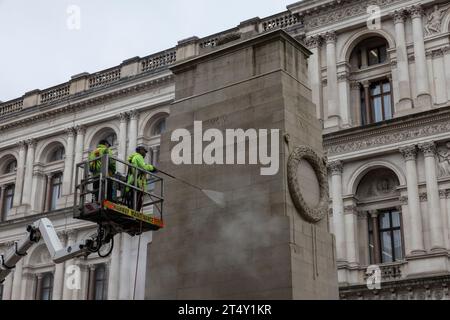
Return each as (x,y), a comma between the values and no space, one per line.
(42,229)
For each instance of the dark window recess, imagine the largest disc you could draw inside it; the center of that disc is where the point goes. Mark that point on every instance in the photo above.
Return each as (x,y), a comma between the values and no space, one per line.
(390,246)
(376,55)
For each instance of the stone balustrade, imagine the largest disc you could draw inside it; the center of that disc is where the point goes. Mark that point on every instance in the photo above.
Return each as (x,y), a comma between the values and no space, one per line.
(159,60)
(55,93)
(279,21)
(105,77)
(11,107)
(151,63)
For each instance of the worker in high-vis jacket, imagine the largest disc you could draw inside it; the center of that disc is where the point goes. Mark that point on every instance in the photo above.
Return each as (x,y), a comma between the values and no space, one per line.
(95,167)
(137,159)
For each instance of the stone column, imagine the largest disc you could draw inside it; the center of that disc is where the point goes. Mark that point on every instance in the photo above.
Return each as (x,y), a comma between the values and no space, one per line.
(447,195)
(91,286)
(439,76)
(48,193)
(406,224)
(446,51)
(336,169)
(38,192)
(410,153)
(423,89)
(369,113)
(58,277)
(355,94)
(26,198)
(133,131)
(376,237)
(71,239)
(17,281)
(8,284)
(19,174)
(79,149)
(125,286)
(434,208)
(351,234)
(114,269)
(443,199)
(315,73)
(2,214)
(405,101)
(38,287)
(68,162)
(122,152)
(344,98)
(334,116)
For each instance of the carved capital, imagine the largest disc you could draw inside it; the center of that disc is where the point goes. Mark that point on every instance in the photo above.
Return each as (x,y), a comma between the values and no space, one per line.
(429,54)
(403,200)
(31,143)
(354,85)
(393,63)
(313,42)
(423,197)
(123,116)
(416,11)
(343,76)
(352,209)
(38,173)
(70,132)
(428,149)
(399,16)
(411,58)
(336,167)
(409,152)
(81,130)
(134,114)
(330,36)
(446,49)
(21,145)
(443,194)
(437,53)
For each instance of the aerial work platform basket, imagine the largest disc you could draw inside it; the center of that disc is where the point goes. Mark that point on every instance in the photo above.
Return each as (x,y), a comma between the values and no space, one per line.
(106,197)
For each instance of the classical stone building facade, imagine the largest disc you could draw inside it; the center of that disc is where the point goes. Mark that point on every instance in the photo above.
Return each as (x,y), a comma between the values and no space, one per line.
(381,86)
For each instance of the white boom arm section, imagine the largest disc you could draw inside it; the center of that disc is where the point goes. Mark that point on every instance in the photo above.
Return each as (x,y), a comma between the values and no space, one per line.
(41,229)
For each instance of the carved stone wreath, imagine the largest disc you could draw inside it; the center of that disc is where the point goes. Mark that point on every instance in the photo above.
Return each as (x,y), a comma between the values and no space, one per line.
(316,214)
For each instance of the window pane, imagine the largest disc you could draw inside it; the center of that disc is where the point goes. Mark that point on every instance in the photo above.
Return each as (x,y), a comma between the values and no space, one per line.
(373,57)
(375,89)
(387,107)
(386,247)
(395,219)
(371,248)
(384,221)
(398,245)
(383,54)
(386,87)
(377,109)
(363,107)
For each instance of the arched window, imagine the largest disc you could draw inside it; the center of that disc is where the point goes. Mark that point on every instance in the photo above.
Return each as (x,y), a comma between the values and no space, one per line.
(11,167)
(100,283)
(8,199)
(159,127)
(56,186)
(375,87)
(57,154)
(111,138)
(46,287)
(384,222)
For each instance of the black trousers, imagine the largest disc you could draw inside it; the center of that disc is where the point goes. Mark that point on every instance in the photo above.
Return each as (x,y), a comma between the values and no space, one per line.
(129,200)
(109,191)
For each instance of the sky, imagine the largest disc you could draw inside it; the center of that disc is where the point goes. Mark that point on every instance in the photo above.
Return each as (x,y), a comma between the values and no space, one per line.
(43,43)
